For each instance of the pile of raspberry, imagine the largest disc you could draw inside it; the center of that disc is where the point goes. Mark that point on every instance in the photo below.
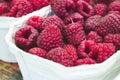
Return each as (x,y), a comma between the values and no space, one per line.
(18,8)
(82,32)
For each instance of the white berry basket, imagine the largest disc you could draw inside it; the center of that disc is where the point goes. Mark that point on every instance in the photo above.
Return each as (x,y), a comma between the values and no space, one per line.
(37,68)
(5,54)
(5,23)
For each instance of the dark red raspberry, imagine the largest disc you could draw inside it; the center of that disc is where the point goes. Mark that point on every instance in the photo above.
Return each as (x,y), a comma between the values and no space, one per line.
(85,48)
(38,51)
(103,1)
(36,22)
(2,1)
(49,38)
(38,4)
(84,8)
(25,37)
(62,8)
(3,7)
(71,50)
(53,20)
(84,61)
(100,9)
(20,8)
(91,2)
(75,1)
(75,17)
(61,56)
(94,36)
(13,2)
(113,38)
(114,12)
(92,22)
(74,33)
(109,24)
(115,6)
(103,51)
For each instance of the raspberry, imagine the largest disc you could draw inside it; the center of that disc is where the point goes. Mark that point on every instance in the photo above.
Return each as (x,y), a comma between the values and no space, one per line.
(71,50)
(85,48)
(75,17)
(38,51)
(84,8)
(114,12)
(109,24)
(115,6)
(74,33)
(53,20)
(49,38)
(20,8)
(113,38)
(94,36)
(92,22)
(36,22)
(103,51)
(3,7)
(61,56)
(91,2)
(62,8)
(38,4)
(25,37)
(104,1)
(2,1)
(100,9)
(84,61)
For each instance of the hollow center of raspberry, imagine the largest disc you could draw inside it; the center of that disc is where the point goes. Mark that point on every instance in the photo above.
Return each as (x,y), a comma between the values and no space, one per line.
(27,34)
(87,50)
(69,10)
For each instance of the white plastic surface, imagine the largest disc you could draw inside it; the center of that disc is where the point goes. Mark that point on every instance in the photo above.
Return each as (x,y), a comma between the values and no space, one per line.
(5,54)
(36,68)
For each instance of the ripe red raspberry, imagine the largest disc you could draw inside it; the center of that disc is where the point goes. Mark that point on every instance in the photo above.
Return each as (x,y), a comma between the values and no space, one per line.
(114,12)
(84,61)
(71,50)
(20,8)
(113,38)
(53,20)
(38,51)
(100,9)
(92,22)
(115,6)
(62,8)
(84,8)
(3,7)
(38,4)
(36,22)
(91,2)
(61,56)
(85,49)
(109,24)
(94,36)
(75,17)
(74,33)
(25,37)
(103,51)
(103,1)
(49,38)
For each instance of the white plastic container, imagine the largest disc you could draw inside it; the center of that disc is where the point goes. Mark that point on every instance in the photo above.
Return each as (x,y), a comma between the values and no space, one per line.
(5,54)
(36,68)
(5,23)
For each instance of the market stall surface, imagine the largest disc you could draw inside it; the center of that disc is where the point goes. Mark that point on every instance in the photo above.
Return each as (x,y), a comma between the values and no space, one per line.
(9,71)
